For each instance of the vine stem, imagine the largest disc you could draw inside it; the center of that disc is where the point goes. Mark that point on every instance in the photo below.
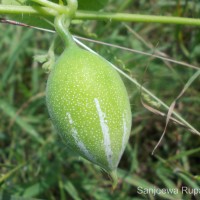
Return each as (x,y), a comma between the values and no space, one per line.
(27,10)
(73,6)
(55,6)
(137,18)
(89,15)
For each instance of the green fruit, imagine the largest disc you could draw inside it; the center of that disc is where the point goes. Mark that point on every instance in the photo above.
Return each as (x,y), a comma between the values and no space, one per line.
(89,106)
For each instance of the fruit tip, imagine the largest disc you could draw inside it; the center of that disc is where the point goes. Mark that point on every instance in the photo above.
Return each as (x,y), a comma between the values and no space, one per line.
(113,175)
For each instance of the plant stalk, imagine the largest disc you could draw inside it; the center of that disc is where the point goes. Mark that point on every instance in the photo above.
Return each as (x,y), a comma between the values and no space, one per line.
(89,15)
(49,4)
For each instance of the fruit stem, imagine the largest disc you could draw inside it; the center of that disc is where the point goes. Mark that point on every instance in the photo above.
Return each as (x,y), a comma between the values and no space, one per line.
(61,25)
(62,22)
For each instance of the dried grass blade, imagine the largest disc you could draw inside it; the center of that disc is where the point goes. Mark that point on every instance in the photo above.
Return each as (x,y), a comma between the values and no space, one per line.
(171,108)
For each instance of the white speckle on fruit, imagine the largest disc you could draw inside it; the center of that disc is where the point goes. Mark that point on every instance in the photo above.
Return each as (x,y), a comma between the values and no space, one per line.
(105,131)
(124,132)
(77,140)
(69,117)
(125,129)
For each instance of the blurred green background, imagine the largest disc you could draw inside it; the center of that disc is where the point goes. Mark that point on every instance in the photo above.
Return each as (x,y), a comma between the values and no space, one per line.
(34,163)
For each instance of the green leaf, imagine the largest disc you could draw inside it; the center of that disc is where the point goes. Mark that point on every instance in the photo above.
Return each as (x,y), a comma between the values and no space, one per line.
(22,2)
(82,4)
(33,190)
(10,173)
(69,187)
(47,22)
(166,175)
(184,153)
(12,2)
(10,111)
(141,183)
(7,196)
(30,20)
(188,180)
(91,5)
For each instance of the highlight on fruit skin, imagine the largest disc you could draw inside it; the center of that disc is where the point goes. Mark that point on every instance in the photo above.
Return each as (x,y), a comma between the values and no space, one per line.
(89,106)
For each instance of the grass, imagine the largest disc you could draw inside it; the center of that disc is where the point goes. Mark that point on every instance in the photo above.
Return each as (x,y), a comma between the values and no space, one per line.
(35,164)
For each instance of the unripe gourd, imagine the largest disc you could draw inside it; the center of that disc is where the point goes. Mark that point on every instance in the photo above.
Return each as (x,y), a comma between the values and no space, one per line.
(88,105)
